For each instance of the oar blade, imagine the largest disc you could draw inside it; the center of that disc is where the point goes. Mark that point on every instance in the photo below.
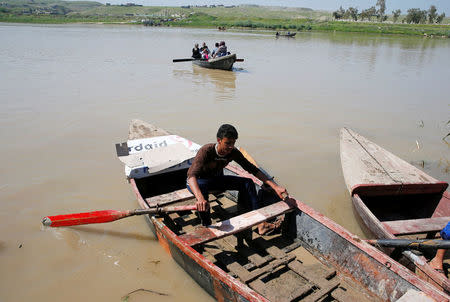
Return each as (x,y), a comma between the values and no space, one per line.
(84,218)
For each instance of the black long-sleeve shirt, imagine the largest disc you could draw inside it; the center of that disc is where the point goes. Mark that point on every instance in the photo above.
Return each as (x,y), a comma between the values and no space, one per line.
(196,53)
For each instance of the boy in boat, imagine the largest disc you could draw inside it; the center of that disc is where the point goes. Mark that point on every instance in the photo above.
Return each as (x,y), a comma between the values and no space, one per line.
(196,54)
(216,47)
(206,174)
(204,47)
(222,50)
(205,54)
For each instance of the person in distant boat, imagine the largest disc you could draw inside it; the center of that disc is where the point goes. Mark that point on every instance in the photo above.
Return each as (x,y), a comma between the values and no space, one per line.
(277,34)
(204,47)
(222,50)
(436,262)
(205,54)
(216,47)
(196,54)
(206,175)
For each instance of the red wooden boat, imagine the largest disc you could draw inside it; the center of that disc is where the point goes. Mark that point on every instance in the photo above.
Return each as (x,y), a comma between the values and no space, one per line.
(311,259)
(395,199)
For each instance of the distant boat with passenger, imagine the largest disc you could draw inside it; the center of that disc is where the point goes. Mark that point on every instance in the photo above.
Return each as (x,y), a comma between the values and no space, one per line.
(288,34)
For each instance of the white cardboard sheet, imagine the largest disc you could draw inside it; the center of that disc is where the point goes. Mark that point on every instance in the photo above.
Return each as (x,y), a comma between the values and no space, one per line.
(157,154)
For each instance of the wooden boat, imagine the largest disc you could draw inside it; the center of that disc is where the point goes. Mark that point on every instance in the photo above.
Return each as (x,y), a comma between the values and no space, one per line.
(394,198)
(288,35)
(224,63)
(311,259)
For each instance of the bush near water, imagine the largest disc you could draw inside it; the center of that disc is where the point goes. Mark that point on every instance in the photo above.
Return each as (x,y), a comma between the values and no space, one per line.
(251,17)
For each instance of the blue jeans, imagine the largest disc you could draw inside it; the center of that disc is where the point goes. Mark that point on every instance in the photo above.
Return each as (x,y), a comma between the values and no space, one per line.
(247,191)
(445,233)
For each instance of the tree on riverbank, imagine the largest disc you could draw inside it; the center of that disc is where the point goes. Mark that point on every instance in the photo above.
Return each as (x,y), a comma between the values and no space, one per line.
(339,14)
(440,18)
(395,14)
(353,13)
(418,16)
(368,13)
(381,10)
(432,14)
(415,15)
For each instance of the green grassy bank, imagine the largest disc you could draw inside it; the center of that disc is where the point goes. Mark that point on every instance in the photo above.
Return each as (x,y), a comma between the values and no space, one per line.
(232,17)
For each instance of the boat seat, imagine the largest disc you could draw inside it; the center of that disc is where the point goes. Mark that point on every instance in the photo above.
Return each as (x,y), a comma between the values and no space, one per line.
(416,226)
(172,197)
(235,224)
(164,199)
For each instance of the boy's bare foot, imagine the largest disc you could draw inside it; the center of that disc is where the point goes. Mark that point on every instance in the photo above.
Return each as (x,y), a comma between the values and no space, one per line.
(437,265)
(436,262)
(267,228)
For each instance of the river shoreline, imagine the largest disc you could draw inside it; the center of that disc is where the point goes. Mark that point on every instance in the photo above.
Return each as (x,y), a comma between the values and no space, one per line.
(391,29)
(236,18)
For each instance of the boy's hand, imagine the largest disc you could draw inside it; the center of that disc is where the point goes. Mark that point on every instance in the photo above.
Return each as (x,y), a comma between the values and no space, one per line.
(202,205)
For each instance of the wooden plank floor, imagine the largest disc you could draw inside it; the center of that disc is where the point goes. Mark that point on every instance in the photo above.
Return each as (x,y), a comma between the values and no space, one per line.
(276,267)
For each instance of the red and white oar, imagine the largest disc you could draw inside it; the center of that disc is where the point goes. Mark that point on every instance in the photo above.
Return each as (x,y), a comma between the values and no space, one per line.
(107,216)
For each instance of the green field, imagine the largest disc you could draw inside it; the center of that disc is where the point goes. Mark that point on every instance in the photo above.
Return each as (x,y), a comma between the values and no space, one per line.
(235,18)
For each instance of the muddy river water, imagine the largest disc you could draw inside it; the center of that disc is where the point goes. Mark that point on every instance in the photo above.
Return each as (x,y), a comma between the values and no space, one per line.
(68,93)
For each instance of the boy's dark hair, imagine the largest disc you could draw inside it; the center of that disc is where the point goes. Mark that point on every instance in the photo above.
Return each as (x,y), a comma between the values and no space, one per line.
(228,131)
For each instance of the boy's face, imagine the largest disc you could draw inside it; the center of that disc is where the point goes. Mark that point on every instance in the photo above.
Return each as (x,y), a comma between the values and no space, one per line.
(225,145)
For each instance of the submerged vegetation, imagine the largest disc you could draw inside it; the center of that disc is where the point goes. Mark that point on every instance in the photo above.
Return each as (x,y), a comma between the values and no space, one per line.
(127,296)
(214,16)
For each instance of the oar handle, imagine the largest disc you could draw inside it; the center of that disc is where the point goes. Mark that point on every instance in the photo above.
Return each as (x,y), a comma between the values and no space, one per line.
(163,210)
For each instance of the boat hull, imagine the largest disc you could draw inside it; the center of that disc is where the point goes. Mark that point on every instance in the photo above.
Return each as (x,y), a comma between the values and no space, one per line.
(325,237)
(223,63)
(286,35)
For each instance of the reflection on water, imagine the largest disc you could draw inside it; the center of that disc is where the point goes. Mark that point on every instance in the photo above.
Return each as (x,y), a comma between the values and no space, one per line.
(412,51)
(223,81)
(373,40)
